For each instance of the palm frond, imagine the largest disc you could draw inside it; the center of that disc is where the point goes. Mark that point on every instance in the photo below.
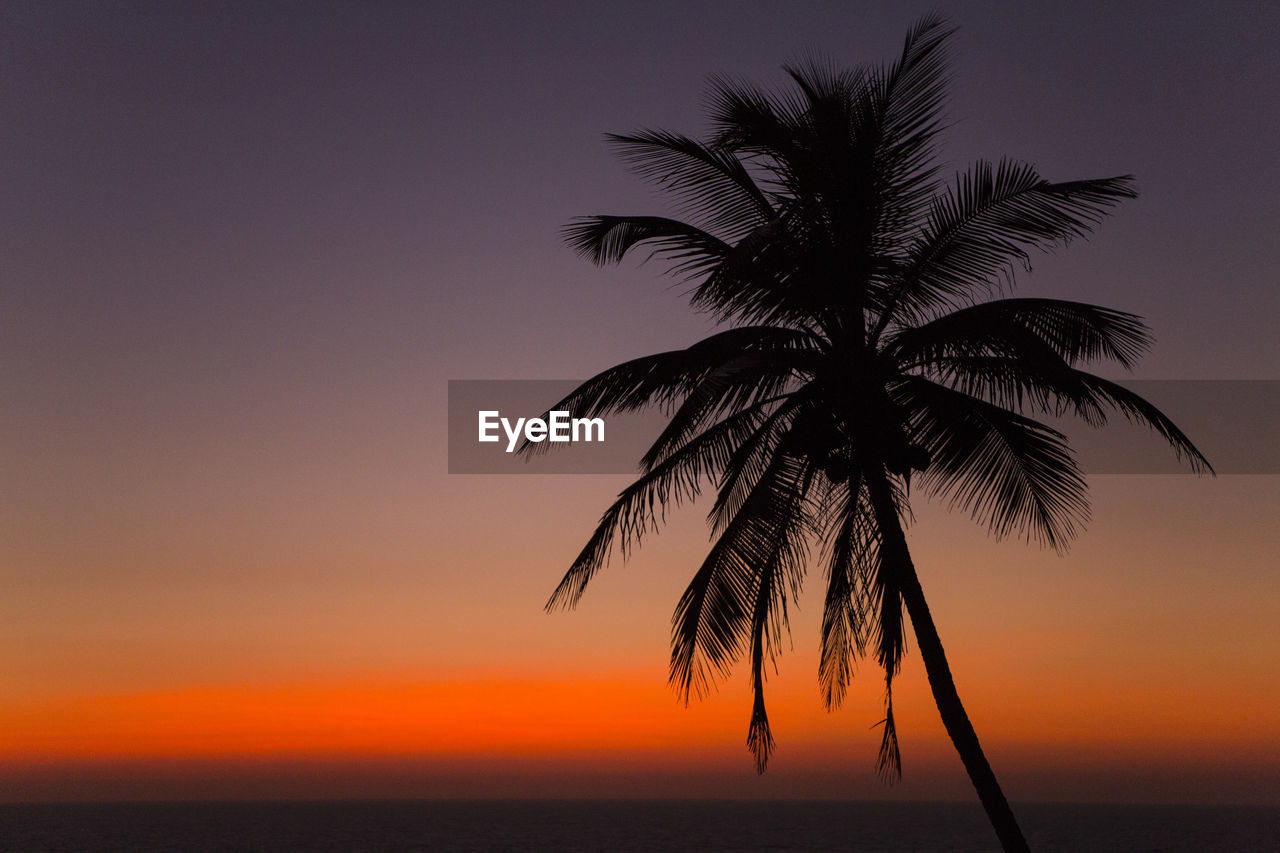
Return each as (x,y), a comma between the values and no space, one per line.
(1035,383)
(756,123)
(1139,411)
(740,382)
(1075,331)
(643,504)
(779,577)
(711,182)
(666,378)
(889,759)
(769,276)
(888,630)
(1008,471)
(982,228)
(911,94)
(751,459)
(716,615)
(607,239)
(1033,377)
(847,611)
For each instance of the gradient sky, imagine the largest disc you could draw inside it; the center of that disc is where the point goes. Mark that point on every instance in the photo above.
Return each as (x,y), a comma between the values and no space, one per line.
(244,247)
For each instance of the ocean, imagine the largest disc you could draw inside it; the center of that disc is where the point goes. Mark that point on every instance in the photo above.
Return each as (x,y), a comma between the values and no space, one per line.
(567,826)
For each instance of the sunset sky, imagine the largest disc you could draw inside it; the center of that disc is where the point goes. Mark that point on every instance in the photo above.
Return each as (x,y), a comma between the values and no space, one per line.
(246,246)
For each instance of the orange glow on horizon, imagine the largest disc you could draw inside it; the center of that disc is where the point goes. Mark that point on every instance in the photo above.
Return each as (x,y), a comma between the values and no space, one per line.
(627,712)
(482,716)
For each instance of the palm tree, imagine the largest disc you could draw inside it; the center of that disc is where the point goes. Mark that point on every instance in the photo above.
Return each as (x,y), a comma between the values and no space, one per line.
(868,348)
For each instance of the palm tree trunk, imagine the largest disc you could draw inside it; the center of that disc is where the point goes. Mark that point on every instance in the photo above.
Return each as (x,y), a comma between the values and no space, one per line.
(965,739)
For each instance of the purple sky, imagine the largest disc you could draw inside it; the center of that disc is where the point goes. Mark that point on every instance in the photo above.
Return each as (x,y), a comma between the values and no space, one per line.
(298,192)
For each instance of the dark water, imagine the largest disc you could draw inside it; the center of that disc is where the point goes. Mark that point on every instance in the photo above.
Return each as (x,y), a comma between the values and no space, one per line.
(623,825)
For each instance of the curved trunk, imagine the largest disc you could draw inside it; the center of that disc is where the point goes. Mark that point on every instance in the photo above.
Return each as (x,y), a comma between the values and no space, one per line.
(894,546)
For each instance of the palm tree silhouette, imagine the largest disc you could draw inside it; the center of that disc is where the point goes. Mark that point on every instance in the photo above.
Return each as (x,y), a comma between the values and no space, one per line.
(868,350)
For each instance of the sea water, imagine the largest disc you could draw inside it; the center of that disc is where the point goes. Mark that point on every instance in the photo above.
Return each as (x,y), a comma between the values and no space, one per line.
(623,825)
